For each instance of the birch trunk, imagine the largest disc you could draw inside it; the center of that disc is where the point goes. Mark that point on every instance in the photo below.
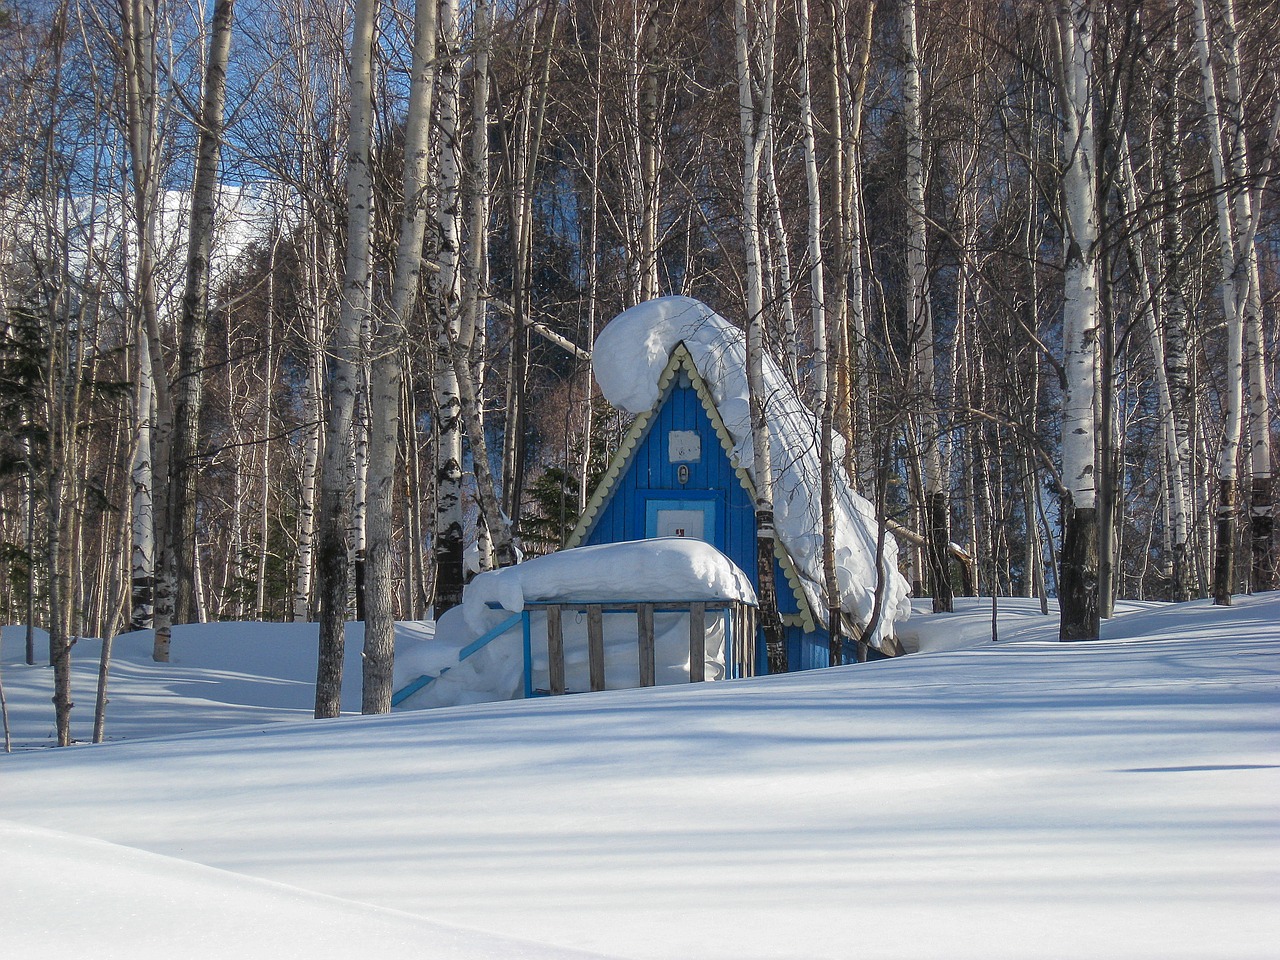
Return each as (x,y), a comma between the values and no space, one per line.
(388,351)
(446,295)
(591,256)
(817,278)
(359,468)
(1262,534)
(849,333)
(1234,295)
(824,372)
(1249,290)
(264,475)
(343,380)
(195,309)
(650,155)
(312,414)
(140,472)
(757,81)
(493,533)
(138,46)
(920,324)
(782,285)
(1185,581)
(1078,588)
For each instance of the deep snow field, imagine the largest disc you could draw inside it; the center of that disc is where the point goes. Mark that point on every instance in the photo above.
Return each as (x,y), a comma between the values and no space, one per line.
(1025,799)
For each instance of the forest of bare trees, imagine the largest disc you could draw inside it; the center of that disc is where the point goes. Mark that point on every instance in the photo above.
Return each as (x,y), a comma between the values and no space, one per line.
(297,297)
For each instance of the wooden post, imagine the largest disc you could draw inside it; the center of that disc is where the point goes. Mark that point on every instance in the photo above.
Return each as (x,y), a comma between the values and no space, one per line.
(595,645)
(644,618)
(555,650)
(697,642)
(739,639)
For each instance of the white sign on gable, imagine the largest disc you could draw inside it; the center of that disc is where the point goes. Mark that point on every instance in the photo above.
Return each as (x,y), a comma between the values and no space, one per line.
(684,446)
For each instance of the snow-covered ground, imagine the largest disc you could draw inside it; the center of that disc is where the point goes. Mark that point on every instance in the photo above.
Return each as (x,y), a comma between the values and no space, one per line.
(1022,799)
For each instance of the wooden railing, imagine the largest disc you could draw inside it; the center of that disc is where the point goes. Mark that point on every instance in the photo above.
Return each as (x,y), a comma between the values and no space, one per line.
(740,634)
(739,641)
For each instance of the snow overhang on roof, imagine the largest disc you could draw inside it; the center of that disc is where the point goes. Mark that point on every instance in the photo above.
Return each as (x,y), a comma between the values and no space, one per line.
(635,360)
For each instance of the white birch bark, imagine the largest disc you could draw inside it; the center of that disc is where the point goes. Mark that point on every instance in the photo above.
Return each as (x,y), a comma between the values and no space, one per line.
(1234,294)
(1249,290)
(650,158)
(1176,327)
(343,381)
(195,310)
(445,287)
(312,414)
(469,350)
(1078,591)
(817,279)
(755,105)
(142,108)
(591,255)
(143,525)
(782,288)
(387,365)
(264,475)
(359,465)
(920,322)
(848,332)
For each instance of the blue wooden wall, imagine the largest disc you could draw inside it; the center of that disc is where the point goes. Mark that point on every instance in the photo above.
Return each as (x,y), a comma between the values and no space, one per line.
(711,479)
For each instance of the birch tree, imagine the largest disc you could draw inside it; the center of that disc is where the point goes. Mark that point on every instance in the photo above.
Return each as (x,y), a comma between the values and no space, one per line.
(492,529)
(387,365)
(136,54)
(343,380)
(1234,283)
(920,323)
(755,36)
(1078,587)
(445,302)
(195,308)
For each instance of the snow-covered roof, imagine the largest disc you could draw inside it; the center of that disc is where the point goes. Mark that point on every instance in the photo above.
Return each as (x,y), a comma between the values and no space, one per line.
(630,357)
(664,568)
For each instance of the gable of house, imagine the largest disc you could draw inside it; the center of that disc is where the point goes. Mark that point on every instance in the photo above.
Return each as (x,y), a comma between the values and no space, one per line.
(674,475)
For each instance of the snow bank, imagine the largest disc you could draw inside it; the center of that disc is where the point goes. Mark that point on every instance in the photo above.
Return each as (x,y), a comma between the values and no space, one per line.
(199,913)
(1012,801)
(629,357)
(665,569)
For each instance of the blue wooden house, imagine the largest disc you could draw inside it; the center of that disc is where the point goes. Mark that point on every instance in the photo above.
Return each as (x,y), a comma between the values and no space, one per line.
(674,476)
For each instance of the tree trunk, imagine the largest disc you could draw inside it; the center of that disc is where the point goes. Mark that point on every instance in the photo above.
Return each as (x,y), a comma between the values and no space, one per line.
(753,125)
(195,310)
(1078,587)
(144,528)
(331,547)
(920,325)
(1234,295)
(388,351)
(445,305)
(312,413)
